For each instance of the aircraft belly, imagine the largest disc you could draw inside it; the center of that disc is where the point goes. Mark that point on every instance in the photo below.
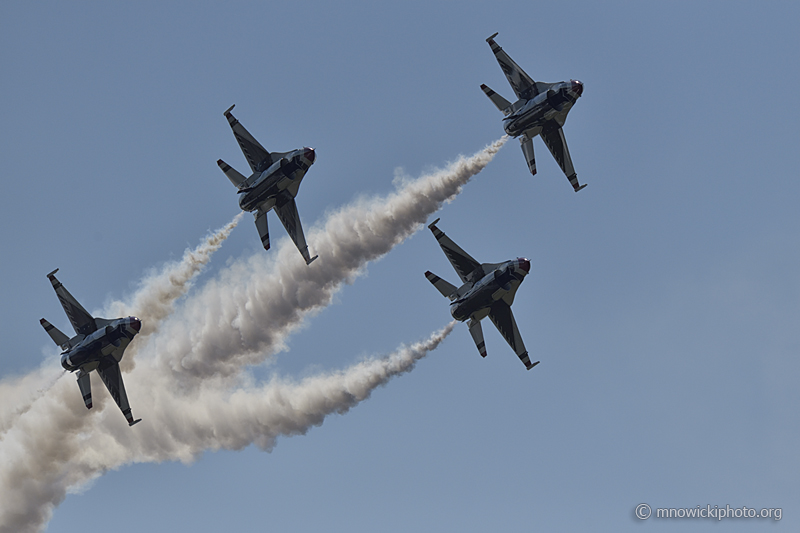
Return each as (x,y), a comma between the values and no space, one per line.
(476,306)
(92,365)
(257,198)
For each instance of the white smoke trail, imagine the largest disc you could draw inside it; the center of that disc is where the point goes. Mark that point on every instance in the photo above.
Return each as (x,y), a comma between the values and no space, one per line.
(193,362)
(180,426)
(156,297)
(152,302)
(224,327)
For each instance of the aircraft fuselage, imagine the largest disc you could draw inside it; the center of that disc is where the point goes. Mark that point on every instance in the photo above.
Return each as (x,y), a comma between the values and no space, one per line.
(548,107)
(262,189)
(499,284)
(110,340)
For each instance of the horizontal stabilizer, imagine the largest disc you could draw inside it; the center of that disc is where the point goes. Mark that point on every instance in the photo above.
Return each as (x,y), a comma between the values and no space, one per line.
(477,335)
(86,388)
(448,290)
(236,178)
(526,142)
(55,334)
(501,103)
(263,228)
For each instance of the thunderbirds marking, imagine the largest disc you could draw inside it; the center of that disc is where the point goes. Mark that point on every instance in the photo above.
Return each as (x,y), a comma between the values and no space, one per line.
(98,344)
(488,290)
(541,109)
(274,184)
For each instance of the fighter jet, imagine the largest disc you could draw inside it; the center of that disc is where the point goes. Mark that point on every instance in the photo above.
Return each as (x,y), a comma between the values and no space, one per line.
(541,109)
(274,184)
(98,344)
(488,289)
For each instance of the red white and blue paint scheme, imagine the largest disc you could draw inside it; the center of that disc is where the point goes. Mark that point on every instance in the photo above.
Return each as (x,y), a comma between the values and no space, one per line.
(541,109)
(273,185)
(488,290)
(98,344)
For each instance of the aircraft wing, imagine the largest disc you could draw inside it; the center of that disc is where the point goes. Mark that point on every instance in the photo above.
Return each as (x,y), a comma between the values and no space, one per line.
(112,378)
(503,319)
(523,85)
(462,262)
(257,156)
(79,317)
(557,144)
(290,218)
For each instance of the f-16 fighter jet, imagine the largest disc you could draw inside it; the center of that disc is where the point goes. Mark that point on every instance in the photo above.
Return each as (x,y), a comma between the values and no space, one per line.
(488,289)
(274,184)
(541,109)
(98,344)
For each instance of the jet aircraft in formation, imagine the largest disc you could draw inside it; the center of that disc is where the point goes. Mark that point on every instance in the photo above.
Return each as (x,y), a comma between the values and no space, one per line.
(98,344)
(274,183)
(488,290)
(541,109)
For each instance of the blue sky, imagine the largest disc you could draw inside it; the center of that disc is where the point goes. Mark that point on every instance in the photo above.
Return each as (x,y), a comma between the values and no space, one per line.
(662,300)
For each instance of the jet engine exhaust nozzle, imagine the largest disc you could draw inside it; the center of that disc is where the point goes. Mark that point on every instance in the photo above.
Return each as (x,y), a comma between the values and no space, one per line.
(310,154)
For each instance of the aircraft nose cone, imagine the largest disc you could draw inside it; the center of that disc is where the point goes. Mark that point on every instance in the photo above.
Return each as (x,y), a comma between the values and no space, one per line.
(577,86)
(524,264)
(310,154)
(136,323)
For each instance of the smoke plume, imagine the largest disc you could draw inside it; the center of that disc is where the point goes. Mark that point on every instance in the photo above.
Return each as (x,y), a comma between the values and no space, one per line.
(39,469)
(152,302)
(190,383)
(223,329)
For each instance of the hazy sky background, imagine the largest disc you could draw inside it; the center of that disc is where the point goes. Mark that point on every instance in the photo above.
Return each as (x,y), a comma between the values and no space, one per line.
(663,299)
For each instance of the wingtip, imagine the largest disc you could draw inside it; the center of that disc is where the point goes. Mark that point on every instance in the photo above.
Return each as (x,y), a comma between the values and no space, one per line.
(534,364)
(433,224)
(228,111)
(311,260)
(489,39)
(581,187)
(131,424)
(51,274)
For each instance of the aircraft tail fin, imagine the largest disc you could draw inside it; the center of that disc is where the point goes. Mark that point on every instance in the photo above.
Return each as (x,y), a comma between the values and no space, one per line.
(448,290)
(236,178)
(501,103)
(58,337)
